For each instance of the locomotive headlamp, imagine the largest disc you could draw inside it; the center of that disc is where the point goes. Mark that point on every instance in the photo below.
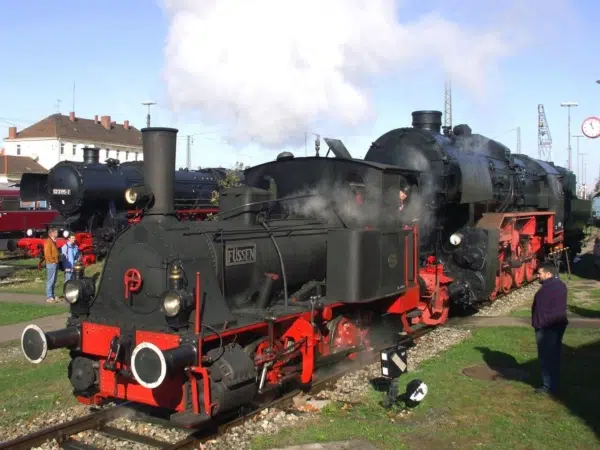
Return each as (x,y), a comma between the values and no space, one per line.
(131,196)
(29,232)
(140,195)
(456,239)
(78,293)
(72,291)
(172,304)
(66,234)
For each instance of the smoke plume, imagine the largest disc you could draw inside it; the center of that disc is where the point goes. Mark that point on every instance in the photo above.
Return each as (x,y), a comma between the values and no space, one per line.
(272,68)
(377,209)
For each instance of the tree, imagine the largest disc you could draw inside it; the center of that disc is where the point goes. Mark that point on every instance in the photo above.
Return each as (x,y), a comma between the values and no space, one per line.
(232,179)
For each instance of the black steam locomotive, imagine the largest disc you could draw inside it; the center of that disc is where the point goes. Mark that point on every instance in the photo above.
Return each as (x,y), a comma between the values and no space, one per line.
(89,195)
(468,181)
(312,261)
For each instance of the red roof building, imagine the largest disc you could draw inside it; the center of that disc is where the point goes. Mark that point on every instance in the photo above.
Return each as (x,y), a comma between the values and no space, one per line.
(59,137)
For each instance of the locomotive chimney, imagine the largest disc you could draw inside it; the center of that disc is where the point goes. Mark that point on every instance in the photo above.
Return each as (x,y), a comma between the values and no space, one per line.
(427,120)
(91,155)
(159,146)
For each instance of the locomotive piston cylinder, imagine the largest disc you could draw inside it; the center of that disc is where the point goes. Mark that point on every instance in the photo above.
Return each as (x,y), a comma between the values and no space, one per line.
(151,365)
(35,343)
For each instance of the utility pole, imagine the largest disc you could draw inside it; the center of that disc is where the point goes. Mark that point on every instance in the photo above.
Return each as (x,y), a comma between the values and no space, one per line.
(190,141)
(447,128)
(569,105)
(305,139)
(578,136)
(518,140)
(544,137)
(582,170)
(148,104)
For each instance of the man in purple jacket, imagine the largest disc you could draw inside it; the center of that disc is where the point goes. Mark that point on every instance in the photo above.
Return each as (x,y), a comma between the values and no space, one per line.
(549,319)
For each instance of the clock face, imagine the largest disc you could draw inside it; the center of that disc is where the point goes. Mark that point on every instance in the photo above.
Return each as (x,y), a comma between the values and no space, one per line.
(591,127)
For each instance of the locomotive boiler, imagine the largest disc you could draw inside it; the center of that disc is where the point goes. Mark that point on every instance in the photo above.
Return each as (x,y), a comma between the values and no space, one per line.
(484,209)
(200,317)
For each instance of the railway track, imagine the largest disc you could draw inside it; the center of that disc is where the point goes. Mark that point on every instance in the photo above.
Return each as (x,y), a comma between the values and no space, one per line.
(99,421)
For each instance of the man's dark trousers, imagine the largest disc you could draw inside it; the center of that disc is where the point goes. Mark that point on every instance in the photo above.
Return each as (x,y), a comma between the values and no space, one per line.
(549,343)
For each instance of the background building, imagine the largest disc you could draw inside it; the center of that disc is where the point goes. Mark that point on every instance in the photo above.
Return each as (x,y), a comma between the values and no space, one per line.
(13,167)
(59,138)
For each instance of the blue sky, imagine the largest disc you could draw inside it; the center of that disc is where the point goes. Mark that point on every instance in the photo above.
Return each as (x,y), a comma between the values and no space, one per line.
(113,50)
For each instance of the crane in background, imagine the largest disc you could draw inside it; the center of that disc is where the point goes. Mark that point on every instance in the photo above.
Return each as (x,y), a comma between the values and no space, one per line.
(447,128)
(544,138)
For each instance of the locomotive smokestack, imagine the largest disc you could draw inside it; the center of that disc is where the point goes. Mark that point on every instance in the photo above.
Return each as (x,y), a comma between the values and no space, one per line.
(427,120)
(159,147)
(91,155)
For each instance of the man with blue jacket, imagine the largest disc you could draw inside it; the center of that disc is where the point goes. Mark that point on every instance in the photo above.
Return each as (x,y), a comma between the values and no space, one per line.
(549,319)
(71,255)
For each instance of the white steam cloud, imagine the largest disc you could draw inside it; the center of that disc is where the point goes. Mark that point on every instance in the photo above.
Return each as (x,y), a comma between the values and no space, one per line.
(272,68)
(339,202)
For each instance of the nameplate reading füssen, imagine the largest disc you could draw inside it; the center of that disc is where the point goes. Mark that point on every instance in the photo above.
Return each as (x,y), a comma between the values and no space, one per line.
(240,254)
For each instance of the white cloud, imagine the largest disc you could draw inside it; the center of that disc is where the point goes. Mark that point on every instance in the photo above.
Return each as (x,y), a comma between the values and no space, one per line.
(271,69)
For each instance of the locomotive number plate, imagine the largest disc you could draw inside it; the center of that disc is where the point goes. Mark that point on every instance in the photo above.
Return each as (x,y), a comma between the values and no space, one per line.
(61,191)
(240,254)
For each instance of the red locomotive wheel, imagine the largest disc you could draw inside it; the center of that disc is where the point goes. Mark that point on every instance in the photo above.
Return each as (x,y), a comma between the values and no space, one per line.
(496,291)
(507,282)
(518,273)
(259,351)
(531,265)
(345,334)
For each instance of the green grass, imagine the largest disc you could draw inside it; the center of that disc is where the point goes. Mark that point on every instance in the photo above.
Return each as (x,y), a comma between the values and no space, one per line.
(30,262)
(35,281)
(23,312)
(27,390)
(583,298)
(461,412)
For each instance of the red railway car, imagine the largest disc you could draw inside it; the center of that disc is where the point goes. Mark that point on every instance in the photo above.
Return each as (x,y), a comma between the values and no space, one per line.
(19,218)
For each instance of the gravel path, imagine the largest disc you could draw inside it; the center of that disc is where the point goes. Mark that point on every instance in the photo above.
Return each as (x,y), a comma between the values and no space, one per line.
(347,389)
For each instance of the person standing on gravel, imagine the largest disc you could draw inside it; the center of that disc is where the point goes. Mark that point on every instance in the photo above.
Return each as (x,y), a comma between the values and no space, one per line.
(51,258)
(549,319)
